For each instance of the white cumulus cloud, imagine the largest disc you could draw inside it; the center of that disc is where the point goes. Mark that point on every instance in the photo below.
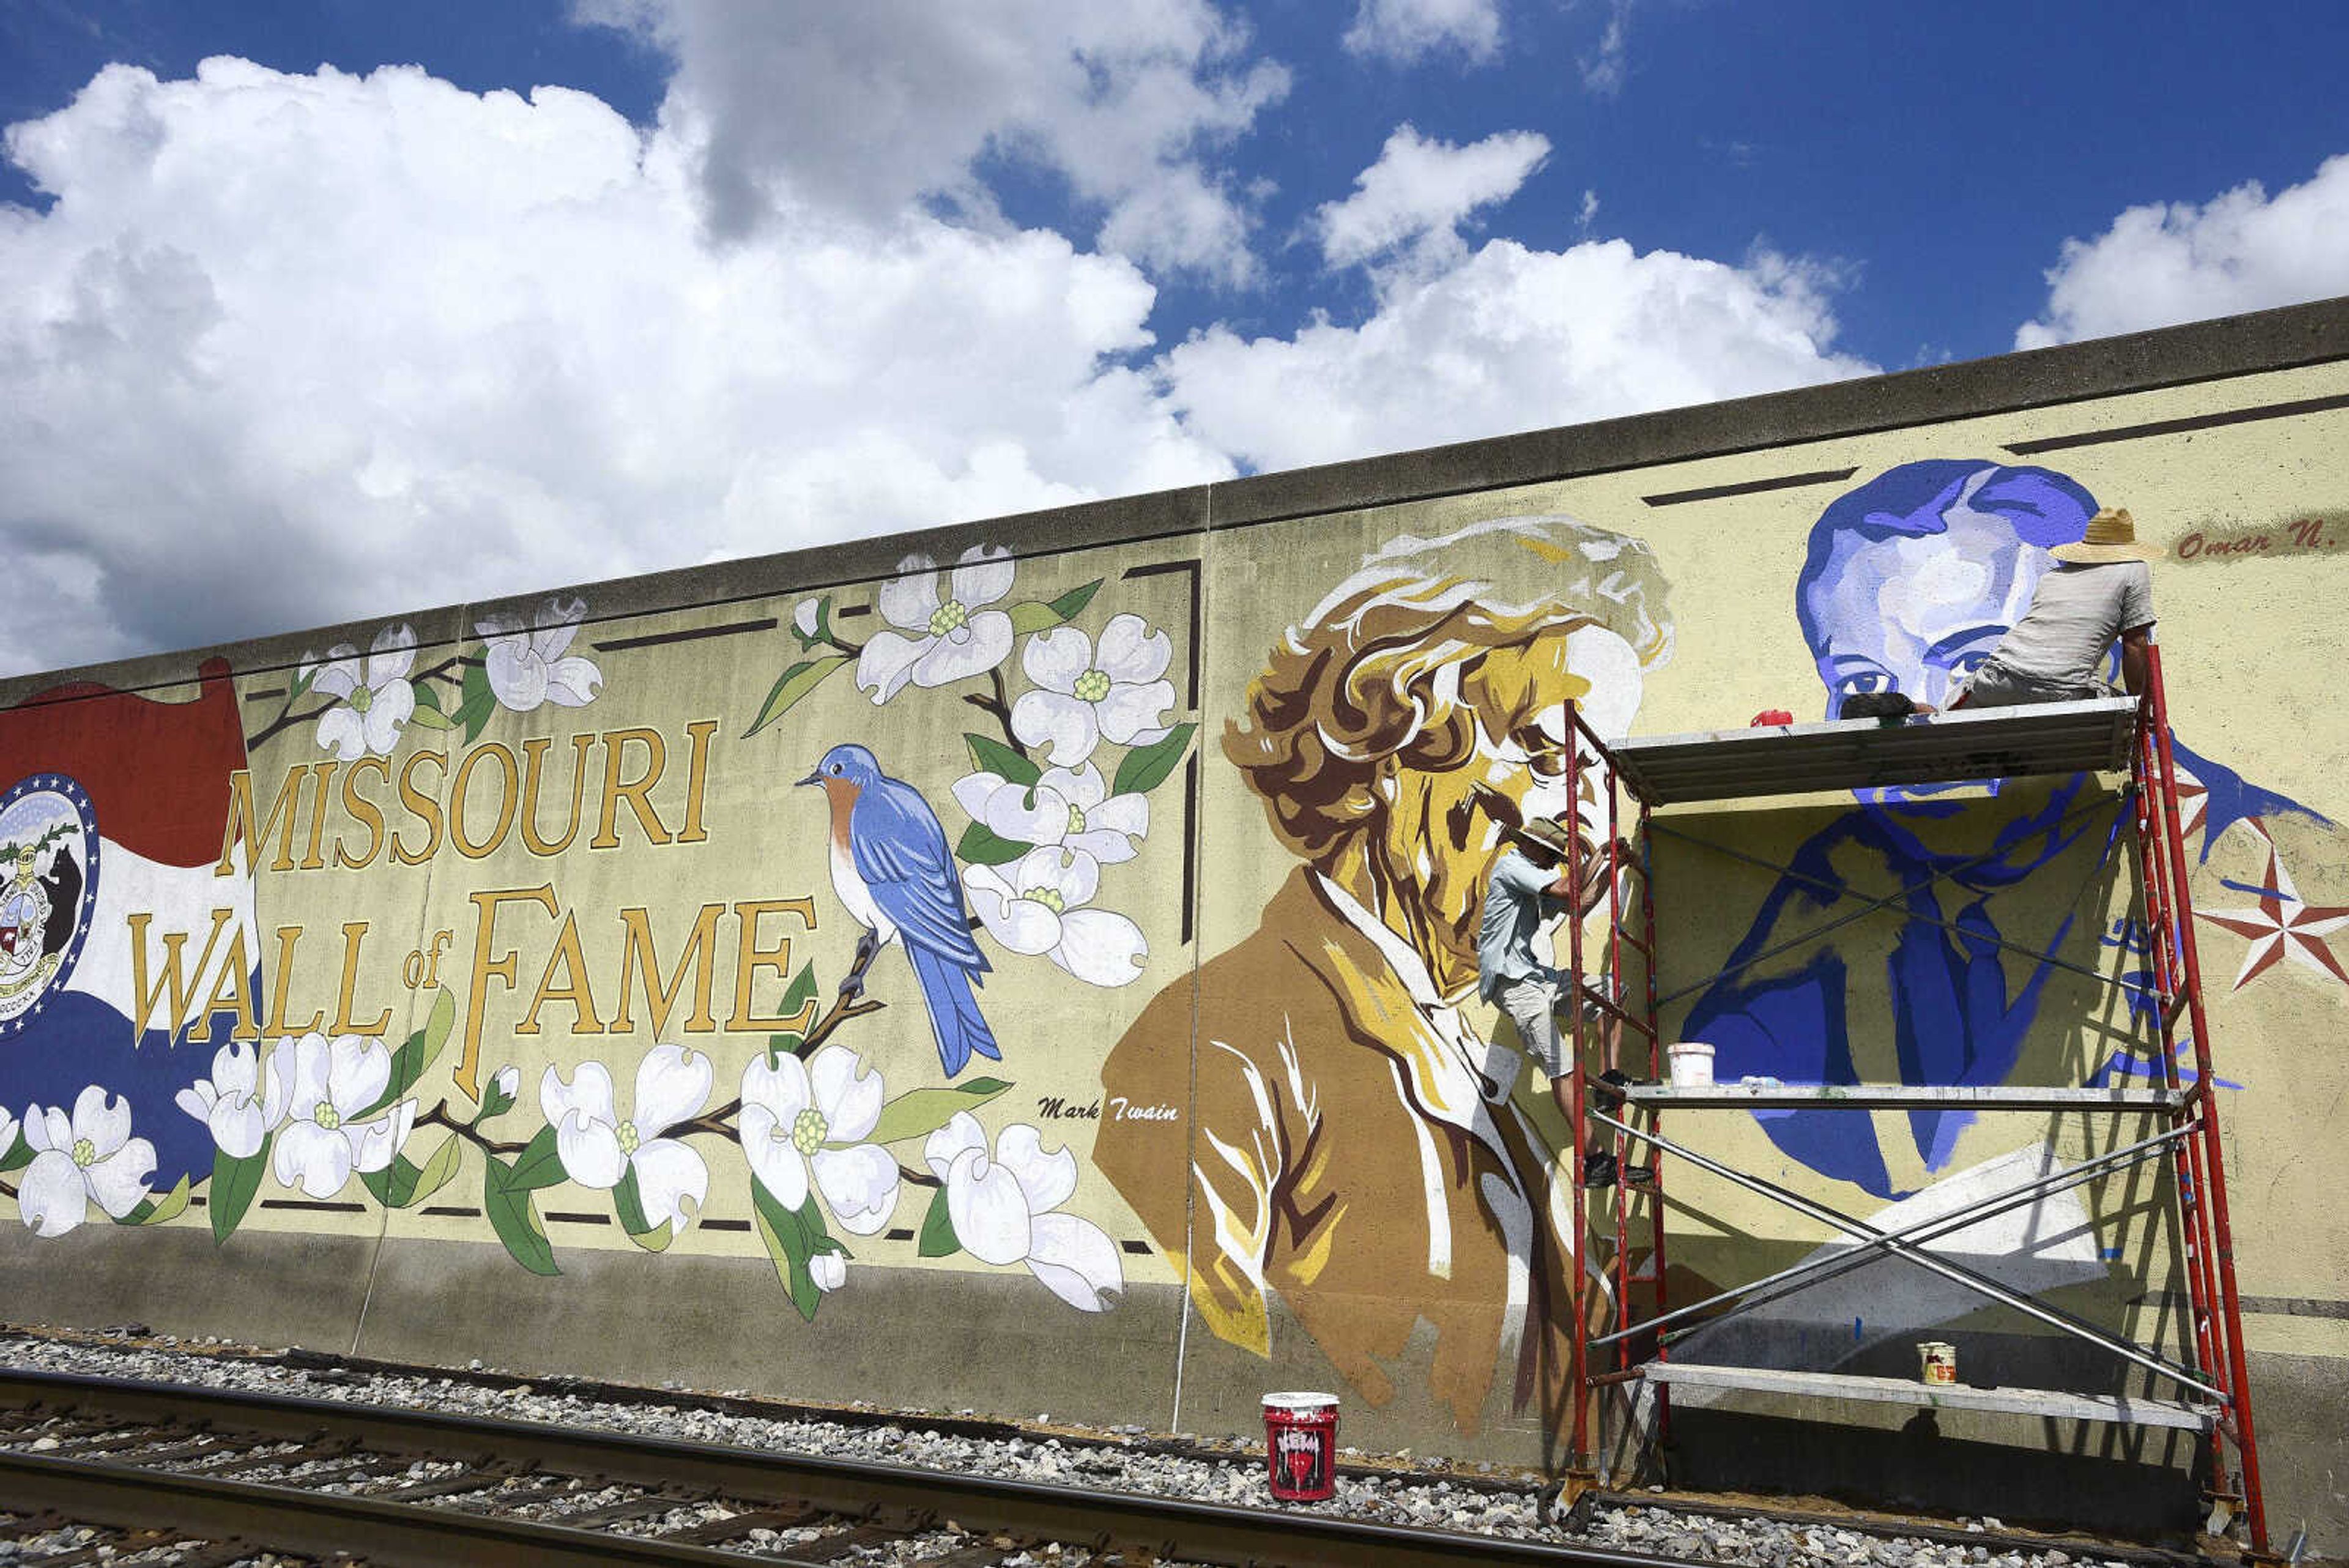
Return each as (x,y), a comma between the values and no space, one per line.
(1511,340)
(289,349)
(1420,191)
(2167,263)
(862,109)
(1403,32)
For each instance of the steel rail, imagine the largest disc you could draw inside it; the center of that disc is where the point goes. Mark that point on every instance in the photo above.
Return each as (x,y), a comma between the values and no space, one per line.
(1171,1527)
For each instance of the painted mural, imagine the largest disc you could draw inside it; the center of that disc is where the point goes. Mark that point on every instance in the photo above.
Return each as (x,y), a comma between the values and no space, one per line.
(1076,947)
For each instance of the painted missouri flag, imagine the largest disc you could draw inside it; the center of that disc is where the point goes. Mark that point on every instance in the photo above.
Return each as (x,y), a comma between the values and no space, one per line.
(113,925)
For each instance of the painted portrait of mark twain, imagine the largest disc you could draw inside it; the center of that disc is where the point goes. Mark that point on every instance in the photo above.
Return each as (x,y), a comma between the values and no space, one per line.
(1356,1144)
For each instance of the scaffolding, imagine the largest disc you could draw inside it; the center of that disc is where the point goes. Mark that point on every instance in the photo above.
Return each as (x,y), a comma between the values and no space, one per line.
(1618,1343)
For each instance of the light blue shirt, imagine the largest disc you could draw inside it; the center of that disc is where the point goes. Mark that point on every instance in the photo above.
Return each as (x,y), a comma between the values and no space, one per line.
(1516,900)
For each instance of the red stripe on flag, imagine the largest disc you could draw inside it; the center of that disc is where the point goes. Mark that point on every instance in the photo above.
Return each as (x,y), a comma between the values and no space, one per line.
(157,772)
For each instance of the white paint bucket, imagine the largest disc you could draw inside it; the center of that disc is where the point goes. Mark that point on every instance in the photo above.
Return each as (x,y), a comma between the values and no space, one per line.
(1692,1064)
(1937,1362)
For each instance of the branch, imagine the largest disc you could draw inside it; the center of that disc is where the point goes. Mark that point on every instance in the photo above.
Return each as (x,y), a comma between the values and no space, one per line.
(841,1011)
(999,705)
(439,1116)
(286,719)
(7,1189)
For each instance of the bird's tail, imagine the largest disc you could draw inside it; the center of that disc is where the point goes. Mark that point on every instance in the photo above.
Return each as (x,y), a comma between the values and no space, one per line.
(946,988)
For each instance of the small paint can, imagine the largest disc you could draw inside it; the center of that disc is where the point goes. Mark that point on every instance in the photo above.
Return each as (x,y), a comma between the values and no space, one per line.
(1301,1446)
(1937,1362)
(1692,1064)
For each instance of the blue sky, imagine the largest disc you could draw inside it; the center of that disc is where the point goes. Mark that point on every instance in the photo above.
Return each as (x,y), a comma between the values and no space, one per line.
(767,276)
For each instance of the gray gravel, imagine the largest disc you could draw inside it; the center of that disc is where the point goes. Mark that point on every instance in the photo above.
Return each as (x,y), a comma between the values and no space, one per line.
(1411,1495)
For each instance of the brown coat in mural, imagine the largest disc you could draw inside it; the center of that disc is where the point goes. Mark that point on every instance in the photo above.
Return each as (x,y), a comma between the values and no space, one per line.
(1354,1145)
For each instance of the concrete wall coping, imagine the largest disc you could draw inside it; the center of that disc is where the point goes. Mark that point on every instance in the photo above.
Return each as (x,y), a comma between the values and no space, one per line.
(2265,341)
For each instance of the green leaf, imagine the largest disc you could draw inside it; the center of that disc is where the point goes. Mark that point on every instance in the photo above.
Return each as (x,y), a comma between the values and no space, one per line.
(20,1153)
(538,1163)
(235,1183)
(1035,615)
(939,1238)
(428,695)
(139,1215)
(495,1101)
(1145,769)
(394,1185)
(430,719)
(513,1214)
(629,1208)
(992,756)
(789,1244)
(801,991)
(440,1170)
(418,1052)
(982,845)
(301,679)
(171,1207)
(790,686)
(918,1113)
(481,701)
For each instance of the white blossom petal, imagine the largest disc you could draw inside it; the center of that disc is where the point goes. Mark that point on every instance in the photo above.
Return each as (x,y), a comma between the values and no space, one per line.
(985,641)
(236,1069)
(392,656)
(781,1086)
(774,1160)
(8,1129)
(982,577)
(590,1151)
(589,1092)
(47,1127)
(1065,722)
(671,1181)
(672,1086)
(847,1093)
(119,1181)
(517,677)
(973,791)
(312,1075)
(237,1126)
(342,732)
(1047,1179)
(506,625)
(1083,788)
(308,1157)
(1125,814)
(359,1070)
(573,682)
(908,599)
(1132,716)
(859,1186)
(829,1270)
(1130,651)
(1074,877)
(988,1210)
(887,663)
(1101,947)
(339,676)
(375,1144)
(1053,660)
(105,1122)
(804,617)
(1076,1259)
(51,1195)
(558,623)
(1023,924)
(961,1134)
(1009,817)
(392,707)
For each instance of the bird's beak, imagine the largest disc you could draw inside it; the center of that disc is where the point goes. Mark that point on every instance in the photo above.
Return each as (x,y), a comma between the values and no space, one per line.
(811,779)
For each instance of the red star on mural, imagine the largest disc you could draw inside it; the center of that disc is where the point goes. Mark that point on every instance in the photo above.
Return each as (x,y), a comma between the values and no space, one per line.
(2193,805)
(2283,927)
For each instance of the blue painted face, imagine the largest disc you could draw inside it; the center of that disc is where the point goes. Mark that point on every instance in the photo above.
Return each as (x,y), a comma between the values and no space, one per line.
(1912,579)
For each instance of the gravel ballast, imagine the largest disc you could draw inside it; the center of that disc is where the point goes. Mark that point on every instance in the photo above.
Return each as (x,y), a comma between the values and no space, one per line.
(1419,1492)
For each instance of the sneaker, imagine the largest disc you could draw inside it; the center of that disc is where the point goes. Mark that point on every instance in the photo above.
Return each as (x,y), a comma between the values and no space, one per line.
(1641,1175)
(1597,1169)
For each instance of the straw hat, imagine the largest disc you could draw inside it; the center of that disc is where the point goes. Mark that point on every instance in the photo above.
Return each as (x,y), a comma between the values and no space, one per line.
(1550,834)
(2112,537)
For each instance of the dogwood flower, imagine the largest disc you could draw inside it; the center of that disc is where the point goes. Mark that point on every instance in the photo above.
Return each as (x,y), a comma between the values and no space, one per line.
(1084,693)
(1003,1209)
(373,698)
(1071,809)
(801,1116)
(1039,908)
(330,1082)
(7,1132)
(528,665)
(87,1157)
(935,641)
(234,1103)
(597,1148)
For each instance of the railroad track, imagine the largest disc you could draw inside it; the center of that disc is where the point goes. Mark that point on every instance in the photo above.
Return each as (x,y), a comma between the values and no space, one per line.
(239,1475)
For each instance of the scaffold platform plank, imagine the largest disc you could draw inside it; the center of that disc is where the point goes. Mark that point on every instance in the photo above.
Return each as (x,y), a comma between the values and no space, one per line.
(2092,735)
(1901,1096)
(2122,1409)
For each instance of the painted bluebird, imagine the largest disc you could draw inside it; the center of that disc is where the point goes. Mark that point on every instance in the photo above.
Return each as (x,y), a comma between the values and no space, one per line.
(895,875)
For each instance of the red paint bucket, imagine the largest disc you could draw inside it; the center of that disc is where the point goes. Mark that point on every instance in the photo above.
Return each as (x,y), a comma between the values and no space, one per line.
(1301,1446)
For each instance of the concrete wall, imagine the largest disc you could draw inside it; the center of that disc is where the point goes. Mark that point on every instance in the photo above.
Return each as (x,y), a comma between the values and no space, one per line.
(480,970)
